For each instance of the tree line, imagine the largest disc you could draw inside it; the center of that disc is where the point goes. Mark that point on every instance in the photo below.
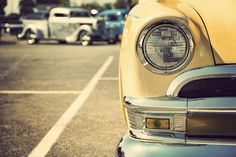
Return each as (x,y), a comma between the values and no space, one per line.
(27,6)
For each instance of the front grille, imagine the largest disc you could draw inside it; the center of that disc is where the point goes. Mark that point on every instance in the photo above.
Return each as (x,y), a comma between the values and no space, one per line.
(212,87)
(136,120)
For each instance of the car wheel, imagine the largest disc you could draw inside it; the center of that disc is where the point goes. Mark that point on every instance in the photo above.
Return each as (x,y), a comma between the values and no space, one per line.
(31,37)
(111,41)
(85,38)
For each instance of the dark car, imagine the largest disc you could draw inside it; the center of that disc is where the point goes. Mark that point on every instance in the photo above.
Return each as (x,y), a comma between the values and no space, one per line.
(13,24)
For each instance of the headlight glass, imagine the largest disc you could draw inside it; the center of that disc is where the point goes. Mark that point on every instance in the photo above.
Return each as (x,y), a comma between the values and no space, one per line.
(165,47)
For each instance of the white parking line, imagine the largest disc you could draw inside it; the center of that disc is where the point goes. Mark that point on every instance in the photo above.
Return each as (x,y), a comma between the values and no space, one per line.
(109,78)
(51,137)
(38,92)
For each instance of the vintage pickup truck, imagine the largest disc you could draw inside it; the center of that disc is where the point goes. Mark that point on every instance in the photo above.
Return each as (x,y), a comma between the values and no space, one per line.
(178,79)
(66,25)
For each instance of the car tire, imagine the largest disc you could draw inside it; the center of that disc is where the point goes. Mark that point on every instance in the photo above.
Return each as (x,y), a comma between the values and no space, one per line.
(85,38)
(111,41)
(31,37)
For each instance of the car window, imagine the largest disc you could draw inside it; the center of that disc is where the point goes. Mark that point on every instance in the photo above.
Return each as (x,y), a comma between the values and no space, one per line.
(36,16)
(60,15)
(79,14)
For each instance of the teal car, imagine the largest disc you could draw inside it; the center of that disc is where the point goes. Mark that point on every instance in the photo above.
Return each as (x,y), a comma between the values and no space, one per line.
(114,20)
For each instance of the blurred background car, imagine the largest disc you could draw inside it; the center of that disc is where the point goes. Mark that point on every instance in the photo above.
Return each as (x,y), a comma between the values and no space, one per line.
(66,25)
(12,23)
(15,14)
(114,20)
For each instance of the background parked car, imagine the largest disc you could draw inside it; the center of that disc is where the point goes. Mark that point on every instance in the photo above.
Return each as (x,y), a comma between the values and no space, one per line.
(114,20)
(65,25)
(13,24)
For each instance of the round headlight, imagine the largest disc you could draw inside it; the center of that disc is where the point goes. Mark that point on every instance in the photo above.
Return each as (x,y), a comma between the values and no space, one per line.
(165,47)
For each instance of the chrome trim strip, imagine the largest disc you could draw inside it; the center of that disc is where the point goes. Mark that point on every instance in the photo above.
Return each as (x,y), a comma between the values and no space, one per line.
(212,111)
(224,71)
(156,105)
(224,104)
(174,137)
(224,143)
(166,140)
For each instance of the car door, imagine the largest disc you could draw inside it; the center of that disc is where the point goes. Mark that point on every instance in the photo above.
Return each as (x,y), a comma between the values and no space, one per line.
(112,24)
(58,25)
(79,18)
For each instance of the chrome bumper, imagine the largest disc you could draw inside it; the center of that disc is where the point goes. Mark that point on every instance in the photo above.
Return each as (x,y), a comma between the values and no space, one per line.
(175,142)
(130,147)
(174,109)
(188,117)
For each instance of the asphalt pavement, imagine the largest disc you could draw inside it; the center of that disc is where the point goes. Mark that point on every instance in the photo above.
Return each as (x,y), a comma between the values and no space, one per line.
(59,100)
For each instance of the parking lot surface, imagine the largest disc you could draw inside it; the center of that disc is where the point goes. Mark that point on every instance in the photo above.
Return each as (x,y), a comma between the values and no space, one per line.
(59,100)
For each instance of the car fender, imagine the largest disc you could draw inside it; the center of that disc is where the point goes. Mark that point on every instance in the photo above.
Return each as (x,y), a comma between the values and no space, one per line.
(33,28)
(74,36)
(85,27)
(142,80)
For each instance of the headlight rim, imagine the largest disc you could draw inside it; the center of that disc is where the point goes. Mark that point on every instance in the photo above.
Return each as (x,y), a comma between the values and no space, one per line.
(175,23)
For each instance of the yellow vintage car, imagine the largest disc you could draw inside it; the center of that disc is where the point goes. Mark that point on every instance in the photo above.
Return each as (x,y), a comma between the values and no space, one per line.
(178,79)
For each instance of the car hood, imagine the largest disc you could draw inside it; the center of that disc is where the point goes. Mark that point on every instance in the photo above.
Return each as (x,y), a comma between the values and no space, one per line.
(220,20)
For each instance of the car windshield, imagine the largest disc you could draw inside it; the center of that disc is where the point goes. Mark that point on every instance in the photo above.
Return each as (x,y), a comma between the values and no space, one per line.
(112,17)
(79,14)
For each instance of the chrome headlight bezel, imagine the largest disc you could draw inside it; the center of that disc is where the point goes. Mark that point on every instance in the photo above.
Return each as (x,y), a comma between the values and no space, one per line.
(179,26)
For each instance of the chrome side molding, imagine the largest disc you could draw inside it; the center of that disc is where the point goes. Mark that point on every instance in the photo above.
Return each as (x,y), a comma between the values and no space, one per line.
(223,71)
(156,104)
(225,104)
